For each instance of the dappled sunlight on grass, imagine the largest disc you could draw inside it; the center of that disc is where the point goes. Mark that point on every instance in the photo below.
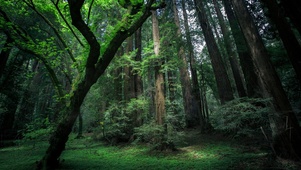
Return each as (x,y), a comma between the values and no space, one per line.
(88,154)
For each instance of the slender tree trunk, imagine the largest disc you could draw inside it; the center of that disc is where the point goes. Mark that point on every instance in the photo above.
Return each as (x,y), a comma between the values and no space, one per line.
(80,127)
(191,110)
(129,91)
(284,124)
(231,54)
(287,36)
(138,78)
(221,77)
(138,84)
(251,79)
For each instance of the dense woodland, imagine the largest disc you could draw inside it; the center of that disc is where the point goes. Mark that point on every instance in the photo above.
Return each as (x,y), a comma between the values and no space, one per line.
(136,72)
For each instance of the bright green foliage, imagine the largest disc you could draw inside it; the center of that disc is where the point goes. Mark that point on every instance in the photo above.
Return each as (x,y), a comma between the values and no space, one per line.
(119,118)
(37,130)
(242,117)
(126,3)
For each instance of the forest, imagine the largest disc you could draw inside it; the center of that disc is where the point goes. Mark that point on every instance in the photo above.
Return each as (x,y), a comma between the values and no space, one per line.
(150,84)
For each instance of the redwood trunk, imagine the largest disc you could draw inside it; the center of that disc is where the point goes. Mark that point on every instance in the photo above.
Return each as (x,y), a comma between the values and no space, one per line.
(284,124)
(287,36)
(192,114)
(159,79)
(223,83)
(251,79)
(231,54)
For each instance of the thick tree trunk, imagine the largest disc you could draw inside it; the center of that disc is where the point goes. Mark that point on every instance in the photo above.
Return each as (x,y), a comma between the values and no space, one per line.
(193,65)
(251,79)
(287,36)
(284,124)
(159,80)
(221,77)
(191,110)
(231,54)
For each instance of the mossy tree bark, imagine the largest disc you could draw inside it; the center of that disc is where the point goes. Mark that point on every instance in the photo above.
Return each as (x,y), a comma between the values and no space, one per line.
(95,67)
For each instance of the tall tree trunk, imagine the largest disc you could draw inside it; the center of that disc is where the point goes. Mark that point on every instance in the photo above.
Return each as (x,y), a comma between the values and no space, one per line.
(159,80)
(193,69)
(251,79)
(284,124)
(191,110)
(230,51)
(221,77)
(129,92)
(138,78)
(287,36)
(138,84)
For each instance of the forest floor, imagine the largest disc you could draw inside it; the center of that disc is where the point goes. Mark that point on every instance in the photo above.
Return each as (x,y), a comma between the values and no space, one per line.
(196,152)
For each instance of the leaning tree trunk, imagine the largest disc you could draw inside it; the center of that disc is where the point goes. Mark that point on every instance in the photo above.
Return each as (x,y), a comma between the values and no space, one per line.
(286,34)
(244,54)
(231,54)
(284,124)
(223,83)
(95,67)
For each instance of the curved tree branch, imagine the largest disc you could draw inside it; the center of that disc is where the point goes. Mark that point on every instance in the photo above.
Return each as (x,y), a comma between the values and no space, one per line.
(68,25)
(31,5)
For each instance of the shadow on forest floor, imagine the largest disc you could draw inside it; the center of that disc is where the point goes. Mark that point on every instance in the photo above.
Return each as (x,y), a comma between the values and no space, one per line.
(197,151)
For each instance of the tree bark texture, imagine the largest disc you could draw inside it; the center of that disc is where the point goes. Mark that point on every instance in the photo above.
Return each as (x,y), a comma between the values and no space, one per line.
(191,109)
(284,124)
(159,78)
(230,51)
(251,79)
(223,83)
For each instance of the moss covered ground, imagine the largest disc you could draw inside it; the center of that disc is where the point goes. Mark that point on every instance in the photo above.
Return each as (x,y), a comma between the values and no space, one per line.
(194,152)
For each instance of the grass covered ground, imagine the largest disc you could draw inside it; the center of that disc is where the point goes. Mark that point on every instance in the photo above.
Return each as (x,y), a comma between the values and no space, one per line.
(195,152)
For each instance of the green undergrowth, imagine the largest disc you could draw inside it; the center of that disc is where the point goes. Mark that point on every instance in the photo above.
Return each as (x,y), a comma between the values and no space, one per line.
(202,152)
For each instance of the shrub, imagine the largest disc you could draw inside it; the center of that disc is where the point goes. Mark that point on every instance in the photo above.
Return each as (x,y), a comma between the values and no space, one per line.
(242,117)
(37,130)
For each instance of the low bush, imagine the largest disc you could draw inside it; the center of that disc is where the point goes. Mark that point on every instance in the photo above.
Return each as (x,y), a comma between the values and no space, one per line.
(242,117)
